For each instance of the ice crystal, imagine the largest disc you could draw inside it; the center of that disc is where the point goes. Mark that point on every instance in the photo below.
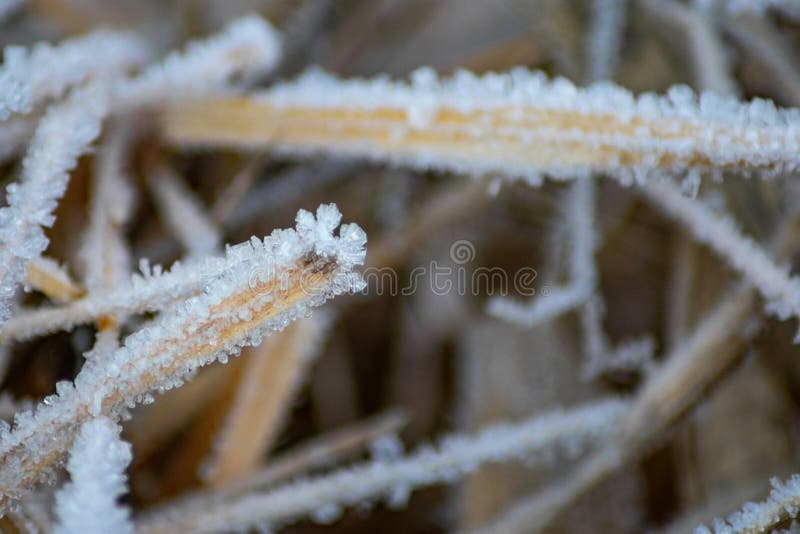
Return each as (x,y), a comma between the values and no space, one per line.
(783,502)
(248,46)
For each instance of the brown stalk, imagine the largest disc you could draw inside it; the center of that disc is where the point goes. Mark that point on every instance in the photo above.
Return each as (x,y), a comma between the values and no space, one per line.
(236,429)
(239,186)
(690,370)
(157,423)
(268,377)
(326,449)
(44,275)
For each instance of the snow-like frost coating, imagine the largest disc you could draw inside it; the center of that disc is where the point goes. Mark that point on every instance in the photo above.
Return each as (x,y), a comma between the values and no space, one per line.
(214,324)
(323,498)
(97,463)
(30,76)
(63,135)
(249,46)
(783,502)
(506,112)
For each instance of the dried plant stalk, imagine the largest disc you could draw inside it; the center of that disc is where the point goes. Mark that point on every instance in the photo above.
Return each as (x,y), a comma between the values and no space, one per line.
(518,124)
(711,349)
(97,463)
(151,291)
(782,503)
(326,449)
(269,376)
(239,186)
(246,47)
(62,136)
(29,78)
(46,275)
(267,285)
(68,129)
(579,208)
(59,99)
(670,392)
(530,514)
(155,424)
(104,254)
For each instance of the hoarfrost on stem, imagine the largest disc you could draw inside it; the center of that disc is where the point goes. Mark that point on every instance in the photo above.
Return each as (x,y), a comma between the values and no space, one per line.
(519,124)
(323,498)
(267,284)
(63,135)
(88,503)
(782,502)
(780,289)
(29,77)
(248,46)
(68,129)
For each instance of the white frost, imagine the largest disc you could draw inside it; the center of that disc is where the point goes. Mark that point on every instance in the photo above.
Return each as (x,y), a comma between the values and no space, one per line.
(783,501)
(211,325)
(28,77)
(246,46)
(249,46)
(97,463)
(323,498)
(504,116)
(779,288)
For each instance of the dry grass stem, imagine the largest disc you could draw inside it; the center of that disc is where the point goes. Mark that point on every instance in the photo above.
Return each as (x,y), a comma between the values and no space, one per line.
(517,124)
(268,377)
(323,497)
(324,450)
(266,286)
(46,275)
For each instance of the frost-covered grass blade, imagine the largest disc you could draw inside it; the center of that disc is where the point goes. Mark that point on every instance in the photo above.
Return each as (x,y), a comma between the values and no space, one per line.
(518,124)
(267,284)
